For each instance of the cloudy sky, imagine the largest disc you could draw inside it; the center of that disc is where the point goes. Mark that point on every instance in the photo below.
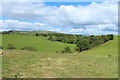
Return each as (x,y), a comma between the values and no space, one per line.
(86,18)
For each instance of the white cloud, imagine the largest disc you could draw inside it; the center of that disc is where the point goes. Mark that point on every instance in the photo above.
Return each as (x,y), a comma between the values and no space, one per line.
(92,32)
(101,16)
(17,25)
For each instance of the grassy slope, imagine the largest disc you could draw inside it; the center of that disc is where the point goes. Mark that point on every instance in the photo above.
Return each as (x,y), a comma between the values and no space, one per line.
(0,39)
(43,64)
(109,48)
(40,43)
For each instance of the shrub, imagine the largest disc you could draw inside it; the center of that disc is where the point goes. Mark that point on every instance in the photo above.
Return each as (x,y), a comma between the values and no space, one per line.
(45,35)
(66,50)
(108,55)
(1,47)
(11,46)
(36,34)
(111,37)
(29,48)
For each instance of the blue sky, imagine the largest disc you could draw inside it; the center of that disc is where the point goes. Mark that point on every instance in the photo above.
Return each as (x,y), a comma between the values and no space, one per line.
(86,18)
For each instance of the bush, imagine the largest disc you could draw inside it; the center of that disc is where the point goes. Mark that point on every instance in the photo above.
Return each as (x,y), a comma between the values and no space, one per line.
(45,35)
(111,37)
(11,46)
(36,34)
(66,50)
(29,48)
(51,38)
(57,52)
(1,47)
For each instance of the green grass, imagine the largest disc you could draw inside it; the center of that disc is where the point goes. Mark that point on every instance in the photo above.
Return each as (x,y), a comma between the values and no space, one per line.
(42,44)
(109,48)
(0,39)
(55,65)
(94,63)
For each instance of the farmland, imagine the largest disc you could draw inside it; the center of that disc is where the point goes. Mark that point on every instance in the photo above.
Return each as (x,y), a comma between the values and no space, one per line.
(98,62)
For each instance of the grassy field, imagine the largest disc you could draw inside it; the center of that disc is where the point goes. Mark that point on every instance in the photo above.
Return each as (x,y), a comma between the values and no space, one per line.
(109,48)
(42,44)
(99,62)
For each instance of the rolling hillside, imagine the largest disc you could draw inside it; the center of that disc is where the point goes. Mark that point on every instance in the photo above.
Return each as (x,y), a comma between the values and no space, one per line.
(42,44)
(109,48)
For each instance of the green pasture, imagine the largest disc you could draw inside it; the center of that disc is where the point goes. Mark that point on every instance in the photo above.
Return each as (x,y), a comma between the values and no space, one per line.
(42,44)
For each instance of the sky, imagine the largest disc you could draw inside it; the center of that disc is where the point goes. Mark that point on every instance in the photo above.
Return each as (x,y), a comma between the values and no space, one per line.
(85,18)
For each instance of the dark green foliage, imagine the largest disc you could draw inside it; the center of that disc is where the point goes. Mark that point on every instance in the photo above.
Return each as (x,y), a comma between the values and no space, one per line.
(41,34)
(29,48)
(45,35)
(11,46)
(66,50)
(111,37)
(82,45)
(36,34)
(104,38)
(50,38)
(1,47)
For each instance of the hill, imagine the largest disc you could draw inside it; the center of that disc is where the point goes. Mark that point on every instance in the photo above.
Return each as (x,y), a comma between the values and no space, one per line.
(109,48)
(42,44)
(98,62)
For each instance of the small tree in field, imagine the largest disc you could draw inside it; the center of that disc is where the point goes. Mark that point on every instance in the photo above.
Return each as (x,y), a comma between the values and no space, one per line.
(36,34)
(66,50)
(111,37)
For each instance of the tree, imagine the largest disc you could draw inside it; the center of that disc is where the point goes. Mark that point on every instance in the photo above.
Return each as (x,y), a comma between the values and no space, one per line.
(36,34)
(66,50)
(82,45)
(50,38)
(111,37)
(45,35)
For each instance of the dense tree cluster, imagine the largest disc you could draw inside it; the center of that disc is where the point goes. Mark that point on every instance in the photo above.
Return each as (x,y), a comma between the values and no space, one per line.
(89,42)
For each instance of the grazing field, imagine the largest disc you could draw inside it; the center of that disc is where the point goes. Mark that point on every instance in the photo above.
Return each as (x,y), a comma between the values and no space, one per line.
(42,44)
(99,62)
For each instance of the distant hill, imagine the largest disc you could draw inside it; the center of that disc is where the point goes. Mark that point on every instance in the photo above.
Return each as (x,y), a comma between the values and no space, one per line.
(26,32)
